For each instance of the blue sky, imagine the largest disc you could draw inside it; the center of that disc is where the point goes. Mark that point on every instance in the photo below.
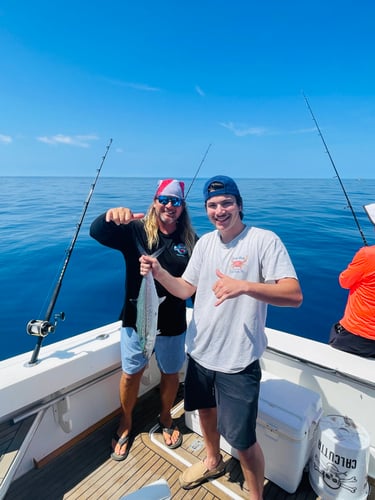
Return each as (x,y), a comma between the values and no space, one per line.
(164,79)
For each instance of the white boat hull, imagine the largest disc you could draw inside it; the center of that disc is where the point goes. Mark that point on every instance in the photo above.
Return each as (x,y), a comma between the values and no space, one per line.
(75,384)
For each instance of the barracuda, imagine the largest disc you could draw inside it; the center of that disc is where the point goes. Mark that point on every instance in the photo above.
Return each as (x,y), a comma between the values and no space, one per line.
(148,303)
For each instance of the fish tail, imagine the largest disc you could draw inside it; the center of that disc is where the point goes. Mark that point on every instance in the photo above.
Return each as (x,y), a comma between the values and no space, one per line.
(142,251)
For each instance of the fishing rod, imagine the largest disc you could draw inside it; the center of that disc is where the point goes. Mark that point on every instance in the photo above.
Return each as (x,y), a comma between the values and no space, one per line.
(335,169)
(41,328)
(198,169)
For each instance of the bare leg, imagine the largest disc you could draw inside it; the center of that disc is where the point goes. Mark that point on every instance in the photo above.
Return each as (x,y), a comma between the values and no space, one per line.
(213,465)
(252,464)
(129,387)
(208,421)
(168,391)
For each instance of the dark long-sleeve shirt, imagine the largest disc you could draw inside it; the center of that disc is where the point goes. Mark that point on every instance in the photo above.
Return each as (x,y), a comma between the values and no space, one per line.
(174,258)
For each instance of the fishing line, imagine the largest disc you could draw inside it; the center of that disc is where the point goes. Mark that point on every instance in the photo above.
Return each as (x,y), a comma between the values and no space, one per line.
(198,169)
(336,172)
(41,328)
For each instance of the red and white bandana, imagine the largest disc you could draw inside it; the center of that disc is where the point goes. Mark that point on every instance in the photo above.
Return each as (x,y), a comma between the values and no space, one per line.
(170,187)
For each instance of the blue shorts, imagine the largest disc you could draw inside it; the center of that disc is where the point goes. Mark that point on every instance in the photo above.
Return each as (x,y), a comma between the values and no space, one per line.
(169,352)
(234,394)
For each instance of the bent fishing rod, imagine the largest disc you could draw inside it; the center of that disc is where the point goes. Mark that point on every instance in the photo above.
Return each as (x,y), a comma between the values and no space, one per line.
(41,328)
(336,172)
(198,169)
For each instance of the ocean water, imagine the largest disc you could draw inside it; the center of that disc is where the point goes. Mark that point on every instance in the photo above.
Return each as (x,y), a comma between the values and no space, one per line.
(40,216)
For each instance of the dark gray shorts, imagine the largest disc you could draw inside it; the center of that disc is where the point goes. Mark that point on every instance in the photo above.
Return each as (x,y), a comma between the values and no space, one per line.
(234,394)
(342,339)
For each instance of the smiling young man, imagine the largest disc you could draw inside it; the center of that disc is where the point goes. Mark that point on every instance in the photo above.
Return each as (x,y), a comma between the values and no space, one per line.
(234,271)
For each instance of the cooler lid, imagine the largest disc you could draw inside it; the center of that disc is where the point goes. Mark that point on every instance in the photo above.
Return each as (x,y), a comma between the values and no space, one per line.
(288,408)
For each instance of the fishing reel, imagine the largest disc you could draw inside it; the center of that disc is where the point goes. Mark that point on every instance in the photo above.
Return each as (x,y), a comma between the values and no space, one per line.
(41,328)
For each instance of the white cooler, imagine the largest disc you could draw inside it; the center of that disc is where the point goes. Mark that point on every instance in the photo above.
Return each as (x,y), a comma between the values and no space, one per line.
(288,415)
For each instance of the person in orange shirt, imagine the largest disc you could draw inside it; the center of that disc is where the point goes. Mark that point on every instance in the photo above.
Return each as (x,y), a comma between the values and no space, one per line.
(355,332)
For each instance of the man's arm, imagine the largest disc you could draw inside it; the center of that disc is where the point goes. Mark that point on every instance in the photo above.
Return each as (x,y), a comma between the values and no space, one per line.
(106,228)
(353,274)
(285,292)
(176,286)
(122,215)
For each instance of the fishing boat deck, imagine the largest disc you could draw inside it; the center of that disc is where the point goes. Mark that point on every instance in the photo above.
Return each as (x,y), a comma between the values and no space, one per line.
(86,471)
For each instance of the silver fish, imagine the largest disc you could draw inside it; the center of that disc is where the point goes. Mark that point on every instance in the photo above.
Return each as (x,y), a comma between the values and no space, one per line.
(148,303)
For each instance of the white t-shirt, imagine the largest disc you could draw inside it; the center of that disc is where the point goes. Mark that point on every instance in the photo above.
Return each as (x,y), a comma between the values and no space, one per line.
(228,337)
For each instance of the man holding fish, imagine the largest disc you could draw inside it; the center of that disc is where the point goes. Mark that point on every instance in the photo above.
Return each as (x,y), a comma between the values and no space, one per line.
(235,271)
(152,318)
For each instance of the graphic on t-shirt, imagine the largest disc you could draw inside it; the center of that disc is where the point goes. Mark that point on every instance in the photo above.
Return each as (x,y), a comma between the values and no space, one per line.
(180,249)
(238,263)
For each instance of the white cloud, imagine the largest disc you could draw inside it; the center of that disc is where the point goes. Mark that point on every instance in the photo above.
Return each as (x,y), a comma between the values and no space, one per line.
(5,139)
(242,130)
(141,86)
(138,86)
(199,90)
(81,141)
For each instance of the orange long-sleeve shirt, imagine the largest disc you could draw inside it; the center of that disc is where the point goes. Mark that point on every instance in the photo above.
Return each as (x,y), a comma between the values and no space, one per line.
(359,278)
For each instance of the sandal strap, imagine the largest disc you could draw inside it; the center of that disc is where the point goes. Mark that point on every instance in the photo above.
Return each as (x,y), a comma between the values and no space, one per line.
(120,440)
(169,430)
(123,440)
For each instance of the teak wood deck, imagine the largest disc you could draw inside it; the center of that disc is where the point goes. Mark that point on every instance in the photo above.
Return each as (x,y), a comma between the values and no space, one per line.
(86,471)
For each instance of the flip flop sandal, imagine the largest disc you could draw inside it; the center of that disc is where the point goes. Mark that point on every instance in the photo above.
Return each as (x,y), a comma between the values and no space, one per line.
(170,430)
(121,441)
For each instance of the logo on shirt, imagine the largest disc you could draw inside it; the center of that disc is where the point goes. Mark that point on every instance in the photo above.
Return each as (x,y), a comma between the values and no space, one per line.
(180,249)
(238,263)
